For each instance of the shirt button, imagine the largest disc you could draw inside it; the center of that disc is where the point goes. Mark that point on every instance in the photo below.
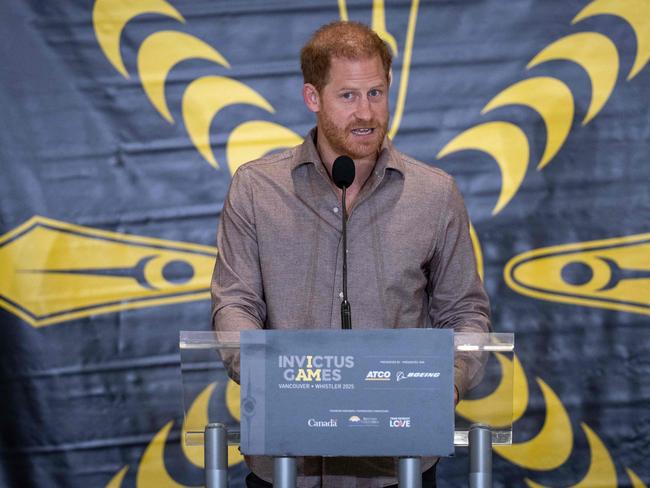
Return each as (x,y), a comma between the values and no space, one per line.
(335,210)
(341,295)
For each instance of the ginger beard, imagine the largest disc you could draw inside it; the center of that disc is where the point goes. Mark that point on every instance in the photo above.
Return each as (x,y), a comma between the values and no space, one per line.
(354,144)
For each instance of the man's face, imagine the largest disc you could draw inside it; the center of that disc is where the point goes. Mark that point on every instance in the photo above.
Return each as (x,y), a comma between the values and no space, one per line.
(352,108)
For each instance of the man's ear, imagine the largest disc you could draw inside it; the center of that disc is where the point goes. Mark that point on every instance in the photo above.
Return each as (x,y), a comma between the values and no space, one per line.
(311,96)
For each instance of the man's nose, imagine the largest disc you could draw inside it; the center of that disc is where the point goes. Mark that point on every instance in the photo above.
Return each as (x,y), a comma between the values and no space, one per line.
(363,111)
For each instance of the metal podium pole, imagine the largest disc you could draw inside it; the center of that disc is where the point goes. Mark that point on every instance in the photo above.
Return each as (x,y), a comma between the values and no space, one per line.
(480,456)
(284,472)
(216,456)
(410,473)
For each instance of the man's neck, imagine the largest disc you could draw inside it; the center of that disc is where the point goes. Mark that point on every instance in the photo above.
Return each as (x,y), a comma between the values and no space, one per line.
(363,169)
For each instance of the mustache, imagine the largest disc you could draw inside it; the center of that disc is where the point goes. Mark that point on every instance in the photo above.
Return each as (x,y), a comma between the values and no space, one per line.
(366,124)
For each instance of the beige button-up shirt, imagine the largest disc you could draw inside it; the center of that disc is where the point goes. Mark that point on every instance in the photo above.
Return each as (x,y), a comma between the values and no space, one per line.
(410,264)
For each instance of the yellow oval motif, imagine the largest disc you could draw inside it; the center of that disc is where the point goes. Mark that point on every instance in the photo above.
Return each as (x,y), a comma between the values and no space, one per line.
(609,273)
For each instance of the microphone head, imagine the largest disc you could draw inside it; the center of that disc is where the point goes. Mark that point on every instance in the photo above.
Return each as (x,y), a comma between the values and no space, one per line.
(343,171)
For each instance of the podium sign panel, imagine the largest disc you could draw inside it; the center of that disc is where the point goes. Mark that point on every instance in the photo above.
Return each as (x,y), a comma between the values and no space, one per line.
(352,393)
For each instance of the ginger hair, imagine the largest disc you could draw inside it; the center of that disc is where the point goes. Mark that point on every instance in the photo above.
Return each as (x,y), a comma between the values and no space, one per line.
(348,40)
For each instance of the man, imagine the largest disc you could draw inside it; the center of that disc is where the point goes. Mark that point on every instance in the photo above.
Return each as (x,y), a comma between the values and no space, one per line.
(410,257)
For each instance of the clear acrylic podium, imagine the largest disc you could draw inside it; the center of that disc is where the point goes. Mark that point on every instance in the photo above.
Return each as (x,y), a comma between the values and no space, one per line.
(212,406)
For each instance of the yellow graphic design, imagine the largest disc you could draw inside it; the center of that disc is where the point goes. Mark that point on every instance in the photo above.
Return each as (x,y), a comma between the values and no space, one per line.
(406,67)
(551,99)
(634,479)
(206,96)
(610,273)
(601,472)
(634,12)
(593,52)
(111,16)
(196,415)
(117,480)
(494,409)
(152,471)
(52,271)
(596,54)
(551,447)
(478,252)
(379,25)
(159,53)
(507,144)
(245,143)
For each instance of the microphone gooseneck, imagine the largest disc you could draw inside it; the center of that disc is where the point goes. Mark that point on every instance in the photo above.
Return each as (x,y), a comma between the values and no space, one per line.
(346,313)
(343,173)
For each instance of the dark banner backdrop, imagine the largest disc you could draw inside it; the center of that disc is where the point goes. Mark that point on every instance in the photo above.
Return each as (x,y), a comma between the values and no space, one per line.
(123,121)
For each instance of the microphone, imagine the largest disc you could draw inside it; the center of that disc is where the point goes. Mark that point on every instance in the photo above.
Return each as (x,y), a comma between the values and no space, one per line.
(343,176)
(343,172)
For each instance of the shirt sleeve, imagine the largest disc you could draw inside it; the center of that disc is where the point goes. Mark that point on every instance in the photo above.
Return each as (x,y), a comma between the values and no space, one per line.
(237,292)
(236,288)
(458,298)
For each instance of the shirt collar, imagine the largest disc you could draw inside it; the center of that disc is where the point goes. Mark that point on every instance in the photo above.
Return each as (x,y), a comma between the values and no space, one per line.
(388,157)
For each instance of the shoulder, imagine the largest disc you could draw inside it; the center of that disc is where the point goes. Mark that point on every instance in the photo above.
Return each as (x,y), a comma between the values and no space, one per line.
(430,186)
(422,175)
(256,180)
(270,165)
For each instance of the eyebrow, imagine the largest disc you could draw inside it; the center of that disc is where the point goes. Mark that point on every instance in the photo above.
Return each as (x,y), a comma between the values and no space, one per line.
(376,87)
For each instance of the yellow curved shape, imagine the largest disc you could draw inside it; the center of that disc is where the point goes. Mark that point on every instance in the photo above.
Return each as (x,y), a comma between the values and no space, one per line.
(152,470)
(343,10)
(406,69)
(601,472)
(252,140)
(506,143)
(197,414)
(520,390)
(596,54)
(551,99)
(116,481)
(204,98)
(532,484)
(551,447)
(110,17)
(379,25)
(601,468)
(160,52)
(478,253)
(634,12)
(233,396)
(506,404)
(636,481)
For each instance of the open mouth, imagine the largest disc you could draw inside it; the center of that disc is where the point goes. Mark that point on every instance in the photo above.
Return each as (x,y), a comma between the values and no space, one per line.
(362,132)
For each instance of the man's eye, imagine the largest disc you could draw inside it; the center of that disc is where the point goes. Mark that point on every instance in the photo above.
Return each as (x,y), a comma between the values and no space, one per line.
(348,95)
(374,93)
